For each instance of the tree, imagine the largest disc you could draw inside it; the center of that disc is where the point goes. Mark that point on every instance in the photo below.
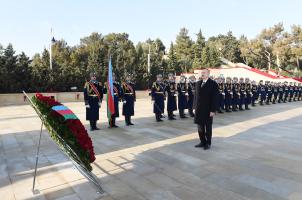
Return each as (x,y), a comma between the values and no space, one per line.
(157,52)
(296,44)
(197,48)
(9,68)
(173,66)
(72,64)
(252,52)
(210,56)
(40,72)
(3,71)
(22,73)
(183,49)
(141,69)
(94,54)
(122,52)
(228,46)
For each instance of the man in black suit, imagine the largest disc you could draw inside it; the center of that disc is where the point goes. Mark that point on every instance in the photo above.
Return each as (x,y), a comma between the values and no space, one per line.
(205,104)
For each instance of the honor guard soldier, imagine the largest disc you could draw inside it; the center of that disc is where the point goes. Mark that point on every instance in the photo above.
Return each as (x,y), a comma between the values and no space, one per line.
(275,92)
(129,97)
(93,96)
(286,92)
(182,96)
(228,90)
(242,92)
(291,91)
(221,94)
(269,92)
(299,92)
(117,97)
(236,94)
(191,92)
(262,92)
(280,92)
(255,93)
(171,94)
(158,97)
(248,94)
(296,91)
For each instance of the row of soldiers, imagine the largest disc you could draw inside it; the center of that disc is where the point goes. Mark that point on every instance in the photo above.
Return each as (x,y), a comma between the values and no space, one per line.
(93,96)
(170,90)
(234,94)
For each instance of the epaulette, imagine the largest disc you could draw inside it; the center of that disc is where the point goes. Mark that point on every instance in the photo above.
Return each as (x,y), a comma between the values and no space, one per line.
(86,84)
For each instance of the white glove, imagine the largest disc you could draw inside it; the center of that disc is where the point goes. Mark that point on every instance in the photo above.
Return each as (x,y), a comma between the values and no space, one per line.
(87,106)
(124,102)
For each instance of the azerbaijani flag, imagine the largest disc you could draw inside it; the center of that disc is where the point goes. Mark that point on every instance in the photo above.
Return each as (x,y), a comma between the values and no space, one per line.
(110,98)
(64,112)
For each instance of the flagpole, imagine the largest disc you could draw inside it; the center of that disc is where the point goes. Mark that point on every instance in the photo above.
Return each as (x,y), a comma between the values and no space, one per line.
(148,66)
(149,60)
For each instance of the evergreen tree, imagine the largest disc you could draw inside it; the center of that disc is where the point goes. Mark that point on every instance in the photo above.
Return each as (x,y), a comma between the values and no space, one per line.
(198,47)
(3,71)
(22,74)
(40,72)
(172,63)
(183,49)
(210,57)
(10,64)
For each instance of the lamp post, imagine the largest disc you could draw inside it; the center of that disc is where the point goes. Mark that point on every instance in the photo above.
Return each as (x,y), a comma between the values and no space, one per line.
(50,48)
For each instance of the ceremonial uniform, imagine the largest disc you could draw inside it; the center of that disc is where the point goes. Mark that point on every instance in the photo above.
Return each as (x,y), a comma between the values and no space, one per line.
(248,96)
(262,92)
(129,97)
(296,92)
(228,90)
(182,98)
(117,96)
(158,96)
(275,93)
(236,96)
(221,97)
(299,92)
(281,92)
(171,101)
(291,92)
(286,93)
(93,96)
(242,95)
(191,92)
(255,94)
(269,93)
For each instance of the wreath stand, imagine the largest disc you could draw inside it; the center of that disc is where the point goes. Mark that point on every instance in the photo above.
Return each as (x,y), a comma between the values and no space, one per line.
(91,177)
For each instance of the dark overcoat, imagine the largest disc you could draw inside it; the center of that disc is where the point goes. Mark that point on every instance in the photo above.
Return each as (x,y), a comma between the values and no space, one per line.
(129,98)
(205,101)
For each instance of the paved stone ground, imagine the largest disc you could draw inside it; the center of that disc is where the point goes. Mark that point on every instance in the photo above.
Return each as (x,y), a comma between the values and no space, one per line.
(256,154)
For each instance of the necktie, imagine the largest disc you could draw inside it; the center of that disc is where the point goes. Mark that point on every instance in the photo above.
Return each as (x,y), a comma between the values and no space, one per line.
(202,84)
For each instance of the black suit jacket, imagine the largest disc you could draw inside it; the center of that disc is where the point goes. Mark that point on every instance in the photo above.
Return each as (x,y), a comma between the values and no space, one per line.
(205,101)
